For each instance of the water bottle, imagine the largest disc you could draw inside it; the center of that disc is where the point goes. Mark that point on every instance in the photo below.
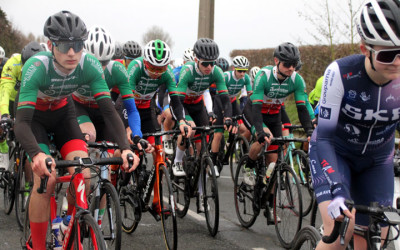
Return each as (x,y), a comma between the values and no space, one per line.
(55,227)
(270,168)
(64,207)
(63,228)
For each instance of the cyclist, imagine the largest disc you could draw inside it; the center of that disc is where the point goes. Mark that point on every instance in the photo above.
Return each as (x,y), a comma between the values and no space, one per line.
(195,78)
(44,105)
(3,59)
(351,151)
(235,80)
(118,54)
(271,86)
(9,85)
(315,94)
(131,51)
(243,94)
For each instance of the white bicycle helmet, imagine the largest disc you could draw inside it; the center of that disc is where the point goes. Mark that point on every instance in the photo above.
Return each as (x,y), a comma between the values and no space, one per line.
(188,55)
(378,22)
(253,72)
(2,53)
(44,46)
(240,62)
(100,44)
(157,53)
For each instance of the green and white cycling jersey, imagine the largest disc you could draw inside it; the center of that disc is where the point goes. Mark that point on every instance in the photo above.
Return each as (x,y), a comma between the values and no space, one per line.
(192,83)
(269,92)
(234,85)
(44,87)
(144,88)
(115,75)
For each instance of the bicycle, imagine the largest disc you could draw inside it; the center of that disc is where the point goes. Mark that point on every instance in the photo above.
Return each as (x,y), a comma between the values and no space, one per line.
(307,238)
(136,191)
(236,146)
(105,195)
(372,233)
(282,188)
(83,231)
(198,166)
(299,162)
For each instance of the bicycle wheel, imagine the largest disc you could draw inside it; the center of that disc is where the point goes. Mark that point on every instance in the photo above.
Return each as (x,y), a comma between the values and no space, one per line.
(9,190)
(211,200)
(130,209)
(21,193)
(307,238)
(111,221)
(89,235)
(302,161)
(243,196)
(287,205)
(167,203)
(182,200)
(239,148)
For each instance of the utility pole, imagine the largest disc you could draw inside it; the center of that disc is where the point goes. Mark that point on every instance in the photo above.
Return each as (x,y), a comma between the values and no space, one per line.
(206,19)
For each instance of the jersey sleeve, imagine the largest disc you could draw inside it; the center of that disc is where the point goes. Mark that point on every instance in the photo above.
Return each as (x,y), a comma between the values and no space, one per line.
(134,73)
(219,80)
(258,91)
(247,83)
(94,77)
(333,92)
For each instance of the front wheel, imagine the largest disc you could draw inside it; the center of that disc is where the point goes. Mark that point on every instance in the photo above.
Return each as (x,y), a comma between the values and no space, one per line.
(239,148)
(22,191)
(287,204)
(89,235)
(307,238)
(167,206)
(130,208)
(210,197)
(302,161)
(9,191)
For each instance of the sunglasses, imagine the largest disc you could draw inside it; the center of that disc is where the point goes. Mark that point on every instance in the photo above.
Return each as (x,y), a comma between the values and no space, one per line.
(64,47)
(207,63)
(385,56)
(241,70)
(155,70)
(289,64)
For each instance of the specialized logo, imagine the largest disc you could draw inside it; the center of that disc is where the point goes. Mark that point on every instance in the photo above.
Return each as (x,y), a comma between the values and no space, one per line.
(325,113)
(81,189)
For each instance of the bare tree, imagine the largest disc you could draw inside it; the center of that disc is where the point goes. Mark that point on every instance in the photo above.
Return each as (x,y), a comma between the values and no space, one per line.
(156,32)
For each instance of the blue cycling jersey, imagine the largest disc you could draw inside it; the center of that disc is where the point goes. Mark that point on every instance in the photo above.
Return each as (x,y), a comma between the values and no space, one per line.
(352,147)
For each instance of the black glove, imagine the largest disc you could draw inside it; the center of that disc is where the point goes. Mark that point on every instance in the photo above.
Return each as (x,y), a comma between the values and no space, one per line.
(309,132)
(261,137)
(212,115)
(228,122)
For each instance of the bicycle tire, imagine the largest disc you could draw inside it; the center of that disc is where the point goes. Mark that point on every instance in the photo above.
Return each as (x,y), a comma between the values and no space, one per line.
(167,203)
(243,196)
(287,205)
(20,192)
(131,212)
(90,236)
(239,148)
(302,160)
(211,199)
(9,191)
(111,225)
(307,238)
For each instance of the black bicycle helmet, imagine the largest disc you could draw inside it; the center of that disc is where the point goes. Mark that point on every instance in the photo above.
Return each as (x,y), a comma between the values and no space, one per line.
(206,49)
(287,52)
(132,49)
(222,63)
(65,26)
(30,50)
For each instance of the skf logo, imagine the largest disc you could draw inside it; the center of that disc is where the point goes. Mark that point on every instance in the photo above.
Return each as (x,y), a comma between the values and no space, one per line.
(326,167)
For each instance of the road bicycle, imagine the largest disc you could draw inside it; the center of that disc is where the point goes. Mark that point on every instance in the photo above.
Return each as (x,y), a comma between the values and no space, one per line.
(104,196)
(372,233)
(282,189)
(232,150)
(300,163)
(136,191)
(198,167)
(83,232)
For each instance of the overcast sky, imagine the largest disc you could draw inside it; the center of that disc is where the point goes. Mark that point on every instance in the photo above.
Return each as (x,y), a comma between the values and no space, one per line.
(250,24)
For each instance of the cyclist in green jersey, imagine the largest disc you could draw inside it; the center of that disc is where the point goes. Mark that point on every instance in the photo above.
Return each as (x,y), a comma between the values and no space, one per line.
(315,94)
(45,105)
(235,80)
(195,78)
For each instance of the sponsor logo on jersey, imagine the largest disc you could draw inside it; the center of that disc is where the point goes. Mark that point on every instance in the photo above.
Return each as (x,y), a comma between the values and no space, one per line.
(351,75)
(352,94)
(37,64)
(365,97)
(370,114)
(325,113)
(390,98)
(327,167)
(351,129)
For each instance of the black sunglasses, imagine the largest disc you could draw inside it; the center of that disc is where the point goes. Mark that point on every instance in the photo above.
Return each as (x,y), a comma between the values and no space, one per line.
(207,63)
(241,70)
(289,64)
(64,47)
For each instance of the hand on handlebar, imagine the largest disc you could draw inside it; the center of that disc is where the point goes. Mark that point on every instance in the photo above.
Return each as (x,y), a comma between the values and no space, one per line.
(263,137)
(228,125)
(336,207)
(39,166)
(126,165)
(185,132)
